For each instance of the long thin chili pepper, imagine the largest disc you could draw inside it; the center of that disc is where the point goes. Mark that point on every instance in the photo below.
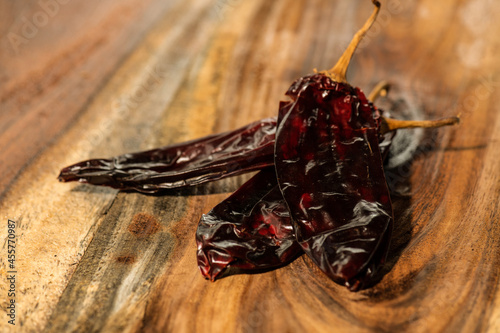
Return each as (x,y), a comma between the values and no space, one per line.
(190,163)
(186,164)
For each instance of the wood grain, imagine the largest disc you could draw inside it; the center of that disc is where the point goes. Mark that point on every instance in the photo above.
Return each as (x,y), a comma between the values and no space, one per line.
(110,77)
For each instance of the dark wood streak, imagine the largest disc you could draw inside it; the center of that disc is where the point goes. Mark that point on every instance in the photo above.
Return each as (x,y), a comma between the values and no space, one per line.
(101,275)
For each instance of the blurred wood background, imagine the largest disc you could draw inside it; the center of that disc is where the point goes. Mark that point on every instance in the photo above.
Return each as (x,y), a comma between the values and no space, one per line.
(100,78)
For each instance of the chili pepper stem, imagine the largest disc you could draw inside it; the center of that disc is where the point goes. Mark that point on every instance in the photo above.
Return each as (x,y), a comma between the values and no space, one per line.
(389,124)
(338,72)
(380,89)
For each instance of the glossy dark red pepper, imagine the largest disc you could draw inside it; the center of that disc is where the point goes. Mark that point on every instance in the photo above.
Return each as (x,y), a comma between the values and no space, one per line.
(250,230)
(185,164)
(330,172)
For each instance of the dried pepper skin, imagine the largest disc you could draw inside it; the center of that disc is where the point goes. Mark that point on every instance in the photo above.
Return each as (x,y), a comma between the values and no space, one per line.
(186,164)
(330,172)
(249,231)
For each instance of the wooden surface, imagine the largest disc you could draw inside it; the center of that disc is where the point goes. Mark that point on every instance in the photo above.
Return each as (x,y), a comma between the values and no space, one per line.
(102,78)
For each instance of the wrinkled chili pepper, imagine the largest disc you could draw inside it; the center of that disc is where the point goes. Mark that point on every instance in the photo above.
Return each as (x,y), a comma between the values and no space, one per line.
(250,230)
(330,172)
(190,163)
(186,164)
(331,175)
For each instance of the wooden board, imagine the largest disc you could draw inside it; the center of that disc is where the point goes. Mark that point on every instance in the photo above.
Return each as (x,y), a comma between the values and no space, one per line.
(103,78)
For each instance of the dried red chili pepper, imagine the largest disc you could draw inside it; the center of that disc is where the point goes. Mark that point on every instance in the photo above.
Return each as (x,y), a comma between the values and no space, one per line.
(190,163)
(250,230)
(330,172)
(186,164)
(331,175)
